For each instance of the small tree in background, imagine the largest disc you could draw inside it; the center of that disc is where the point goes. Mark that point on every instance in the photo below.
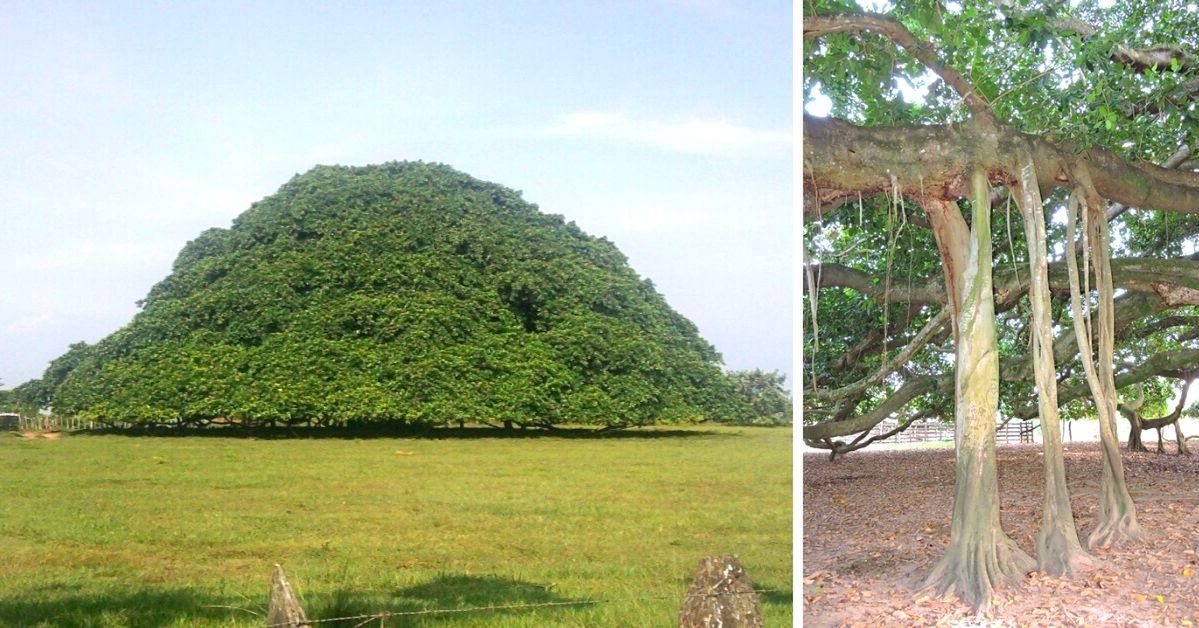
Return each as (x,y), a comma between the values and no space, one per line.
(767,401)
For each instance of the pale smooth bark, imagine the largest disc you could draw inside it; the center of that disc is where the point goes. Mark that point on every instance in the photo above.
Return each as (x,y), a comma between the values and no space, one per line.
(1059,551)
(1115,519)
(980,555)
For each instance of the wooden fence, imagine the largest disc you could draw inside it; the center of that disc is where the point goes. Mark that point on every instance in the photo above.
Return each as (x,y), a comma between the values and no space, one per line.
(53,424)
(934,431)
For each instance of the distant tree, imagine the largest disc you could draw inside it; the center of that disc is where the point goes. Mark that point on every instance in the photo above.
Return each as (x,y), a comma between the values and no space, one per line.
(766,400)
(404,292)
(24,399)
(41,392)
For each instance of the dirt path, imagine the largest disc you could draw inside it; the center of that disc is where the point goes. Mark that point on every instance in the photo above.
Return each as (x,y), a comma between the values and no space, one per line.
(874,523)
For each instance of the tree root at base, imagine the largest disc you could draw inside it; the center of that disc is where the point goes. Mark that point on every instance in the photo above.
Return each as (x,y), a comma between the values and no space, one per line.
(1114,532)
(1060,554)
(973,572)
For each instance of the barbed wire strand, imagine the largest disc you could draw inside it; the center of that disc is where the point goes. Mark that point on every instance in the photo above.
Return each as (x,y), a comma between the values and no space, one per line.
(500,607)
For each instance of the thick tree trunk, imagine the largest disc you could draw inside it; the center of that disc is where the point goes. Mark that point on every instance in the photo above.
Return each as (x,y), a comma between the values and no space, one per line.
(1134,431)
(1115,519)
(1058,550)
(1140,423)
(980,556)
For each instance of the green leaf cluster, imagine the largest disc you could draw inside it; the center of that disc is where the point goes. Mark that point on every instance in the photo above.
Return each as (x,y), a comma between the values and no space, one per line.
(767,400)
(404,292)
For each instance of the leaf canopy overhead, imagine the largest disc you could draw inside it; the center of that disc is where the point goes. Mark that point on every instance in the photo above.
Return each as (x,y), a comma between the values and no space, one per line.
(1118,86)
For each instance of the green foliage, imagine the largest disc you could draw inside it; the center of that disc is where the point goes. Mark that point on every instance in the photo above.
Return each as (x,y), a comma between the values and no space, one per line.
(768,402)
(1040,78)
(402,292)
(26,399)
(1043,79)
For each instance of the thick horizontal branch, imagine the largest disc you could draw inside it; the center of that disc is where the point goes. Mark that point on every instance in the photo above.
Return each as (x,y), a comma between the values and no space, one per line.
(932,162)
(1161,363)
(841,276)
(1169,419)
(1153,284)
(1161,57)
(909,391)
(1017,368)
(839,448)
(1139,274)
(1174,161)
(1167,363)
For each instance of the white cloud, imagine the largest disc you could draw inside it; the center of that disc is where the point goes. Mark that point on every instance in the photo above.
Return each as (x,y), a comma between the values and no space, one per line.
(694,136)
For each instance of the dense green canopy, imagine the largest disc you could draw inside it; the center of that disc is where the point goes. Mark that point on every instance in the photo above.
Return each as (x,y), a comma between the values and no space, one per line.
(402,292)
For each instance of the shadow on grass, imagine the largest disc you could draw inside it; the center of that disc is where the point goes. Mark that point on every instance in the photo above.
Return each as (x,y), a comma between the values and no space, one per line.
(782,596)
(66,605)
(453,594)
(406,431)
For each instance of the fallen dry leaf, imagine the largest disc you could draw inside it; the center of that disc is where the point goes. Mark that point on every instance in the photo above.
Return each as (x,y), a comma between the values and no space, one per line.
(862,512)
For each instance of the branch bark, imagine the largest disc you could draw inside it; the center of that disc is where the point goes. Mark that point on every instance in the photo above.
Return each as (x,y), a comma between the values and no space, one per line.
(1128,307)
(1131,273)
(934,160)
(817,25)
(926,333)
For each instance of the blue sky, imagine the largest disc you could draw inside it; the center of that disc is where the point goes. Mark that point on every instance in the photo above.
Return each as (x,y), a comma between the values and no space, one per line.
(127,129)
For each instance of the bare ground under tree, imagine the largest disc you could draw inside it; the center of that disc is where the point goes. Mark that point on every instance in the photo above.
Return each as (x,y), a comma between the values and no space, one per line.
(874,523)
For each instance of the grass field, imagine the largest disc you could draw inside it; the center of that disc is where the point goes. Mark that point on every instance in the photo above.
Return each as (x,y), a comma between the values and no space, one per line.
(115,530)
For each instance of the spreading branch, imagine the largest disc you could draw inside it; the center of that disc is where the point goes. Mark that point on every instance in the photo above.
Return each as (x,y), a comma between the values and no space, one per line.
(815,26)
(932,161)
(1159,57)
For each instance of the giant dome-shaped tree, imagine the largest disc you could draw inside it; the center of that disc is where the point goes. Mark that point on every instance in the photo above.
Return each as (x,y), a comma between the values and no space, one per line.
(404,292)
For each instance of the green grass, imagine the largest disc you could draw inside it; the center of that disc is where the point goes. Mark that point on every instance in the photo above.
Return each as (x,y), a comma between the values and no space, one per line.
(112,530)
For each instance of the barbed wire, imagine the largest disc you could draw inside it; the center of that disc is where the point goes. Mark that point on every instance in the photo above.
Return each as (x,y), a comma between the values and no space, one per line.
(499,607)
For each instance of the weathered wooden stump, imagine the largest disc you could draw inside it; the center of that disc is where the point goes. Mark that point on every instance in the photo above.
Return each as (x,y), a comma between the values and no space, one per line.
(720,595)
(284,610)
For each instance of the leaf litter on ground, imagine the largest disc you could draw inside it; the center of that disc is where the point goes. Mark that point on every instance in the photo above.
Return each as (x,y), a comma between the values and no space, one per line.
(874,522)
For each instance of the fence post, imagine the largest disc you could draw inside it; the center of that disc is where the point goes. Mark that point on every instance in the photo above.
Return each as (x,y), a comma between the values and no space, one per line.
(284,610)
(720,595)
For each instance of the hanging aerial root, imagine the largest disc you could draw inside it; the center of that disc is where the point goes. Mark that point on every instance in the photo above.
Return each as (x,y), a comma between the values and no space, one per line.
(1059,551)
(1115,518)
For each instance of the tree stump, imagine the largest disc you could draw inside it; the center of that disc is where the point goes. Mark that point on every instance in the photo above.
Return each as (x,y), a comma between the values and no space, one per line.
(284,610)
(720,595)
